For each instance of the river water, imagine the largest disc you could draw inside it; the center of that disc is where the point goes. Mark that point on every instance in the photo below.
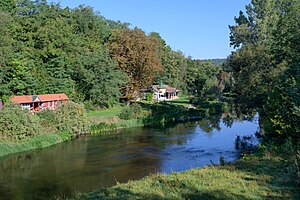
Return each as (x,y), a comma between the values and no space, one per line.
(91,162)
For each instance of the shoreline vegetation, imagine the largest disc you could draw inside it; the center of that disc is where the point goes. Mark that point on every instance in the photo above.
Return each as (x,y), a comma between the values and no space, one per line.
(22,131)
(37,142)
(266,174)
(71,120)
(260,176)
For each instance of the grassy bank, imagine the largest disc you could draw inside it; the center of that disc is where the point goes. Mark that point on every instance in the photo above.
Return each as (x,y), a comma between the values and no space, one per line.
(47,124)
(110,119)
(108,115)
(37,142)
(255,178)
(20,130)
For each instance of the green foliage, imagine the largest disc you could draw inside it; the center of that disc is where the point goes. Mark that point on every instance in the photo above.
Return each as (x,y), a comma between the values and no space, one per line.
(210,107)
(18,78)
(132,111)
(282,108)
(17,124)
(149,97)
(255,178)
(101,127)
(37,142)
(164,114)
(254,72)
(174,65)
(266,67)
(71,118)
(97,77)
(283,111)
(7,5)
(205,80)
(47,49)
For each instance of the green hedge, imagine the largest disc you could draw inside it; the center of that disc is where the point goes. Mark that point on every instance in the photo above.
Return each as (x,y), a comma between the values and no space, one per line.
(17,124)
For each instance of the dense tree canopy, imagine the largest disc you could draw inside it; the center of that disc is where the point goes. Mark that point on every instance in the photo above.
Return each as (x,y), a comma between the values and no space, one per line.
(266,66)
(48,49)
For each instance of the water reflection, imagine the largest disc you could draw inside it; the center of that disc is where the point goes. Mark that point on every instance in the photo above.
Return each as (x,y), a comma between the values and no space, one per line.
(91,162)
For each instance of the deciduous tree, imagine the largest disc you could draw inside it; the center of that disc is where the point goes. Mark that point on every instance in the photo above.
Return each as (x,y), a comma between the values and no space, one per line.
(137,55)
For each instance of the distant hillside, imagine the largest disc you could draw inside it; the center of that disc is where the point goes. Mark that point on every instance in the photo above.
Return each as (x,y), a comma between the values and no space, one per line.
(216,62)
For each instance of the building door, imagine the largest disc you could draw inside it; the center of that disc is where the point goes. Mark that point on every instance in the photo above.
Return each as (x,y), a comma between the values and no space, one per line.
(36,106)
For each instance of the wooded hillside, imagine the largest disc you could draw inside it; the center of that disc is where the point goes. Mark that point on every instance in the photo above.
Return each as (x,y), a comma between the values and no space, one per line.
(45,48)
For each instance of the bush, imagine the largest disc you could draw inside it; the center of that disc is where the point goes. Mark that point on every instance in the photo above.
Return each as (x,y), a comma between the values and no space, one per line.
(89,106)
(72,118)
(17,124)
(132,111)
(164,114)
(149,97)
(47,121)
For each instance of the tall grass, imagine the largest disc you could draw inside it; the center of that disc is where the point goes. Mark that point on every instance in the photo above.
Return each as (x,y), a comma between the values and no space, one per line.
(37,142)
(253,178)
(102,127)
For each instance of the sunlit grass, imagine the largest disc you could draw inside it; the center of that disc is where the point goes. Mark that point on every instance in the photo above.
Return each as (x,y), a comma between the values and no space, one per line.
(105,113)
(37,142)
(255,178)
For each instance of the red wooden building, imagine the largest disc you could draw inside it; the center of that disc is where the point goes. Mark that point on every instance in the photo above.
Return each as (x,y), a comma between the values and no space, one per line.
(36,103)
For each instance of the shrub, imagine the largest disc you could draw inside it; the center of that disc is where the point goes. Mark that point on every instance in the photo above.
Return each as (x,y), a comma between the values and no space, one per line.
(136,110)
(47,121)
(132,111)
(72,118)
(164,114)
(17,124)
(125,113)
(149,97)
(89,106)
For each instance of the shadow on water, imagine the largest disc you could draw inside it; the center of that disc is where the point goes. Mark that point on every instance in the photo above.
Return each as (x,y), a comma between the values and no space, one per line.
(92,162)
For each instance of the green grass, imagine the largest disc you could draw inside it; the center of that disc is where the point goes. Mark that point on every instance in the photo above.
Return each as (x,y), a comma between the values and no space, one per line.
(104,128)
(37,142)
(131,123)
(111,115)
(182,101)
(255,178)
(108,116)
(105,113)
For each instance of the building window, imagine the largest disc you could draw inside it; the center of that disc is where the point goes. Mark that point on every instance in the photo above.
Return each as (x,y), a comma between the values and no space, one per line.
(25,106)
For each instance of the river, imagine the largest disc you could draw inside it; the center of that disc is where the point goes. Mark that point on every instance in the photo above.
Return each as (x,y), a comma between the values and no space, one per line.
(91,162)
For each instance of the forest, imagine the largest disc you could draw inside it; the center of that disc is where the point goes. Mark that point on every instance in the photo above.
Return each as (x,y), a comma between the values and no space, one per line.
(45,48)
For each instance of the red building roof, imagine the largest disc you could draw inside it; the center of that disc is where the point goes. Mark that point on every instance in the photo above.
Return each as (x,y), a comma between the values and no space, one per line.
(41,97)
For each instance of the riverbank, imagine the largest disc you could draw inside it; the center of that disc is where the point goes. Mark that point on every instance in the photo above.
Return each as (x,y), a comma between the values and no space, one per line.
(255,177)
(37,142)
(100,122)
(150,114)
(21,131)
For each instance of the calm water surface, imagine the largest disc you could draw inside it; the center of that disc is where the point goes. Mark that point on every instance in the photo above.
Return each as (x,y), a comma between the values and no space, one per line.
(92,162)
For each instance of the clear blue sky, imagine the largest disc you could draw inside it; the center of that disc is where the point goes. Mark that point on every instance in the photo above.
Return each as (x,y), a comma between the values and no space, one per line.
(198,28)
